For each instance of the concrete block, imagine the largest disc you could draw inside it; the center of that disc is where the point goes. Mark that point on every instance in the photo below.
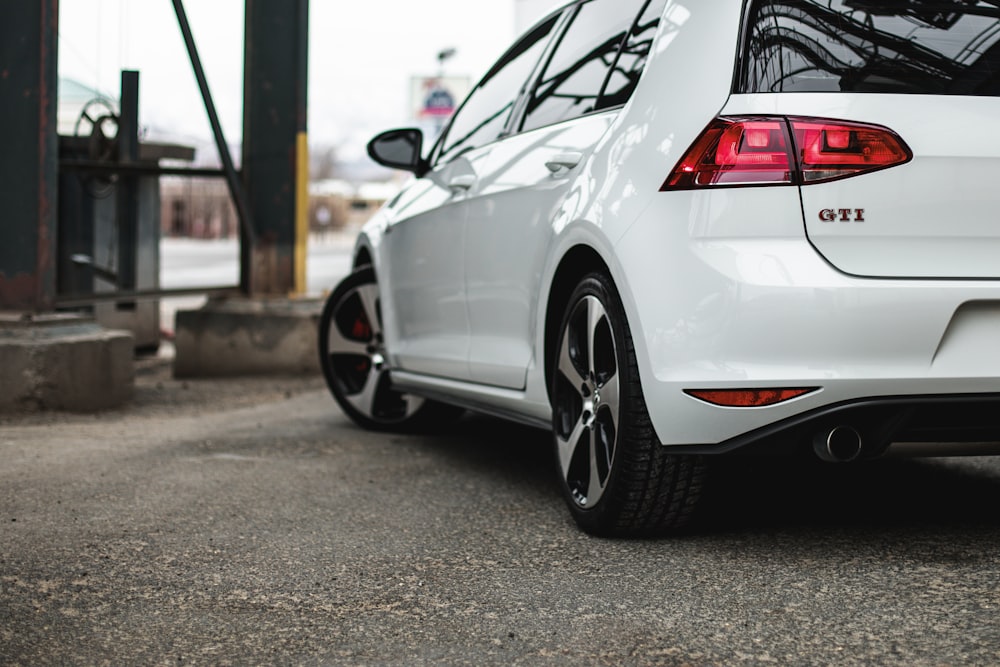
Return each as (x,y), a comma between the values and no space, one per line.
(63,362)
(239,336)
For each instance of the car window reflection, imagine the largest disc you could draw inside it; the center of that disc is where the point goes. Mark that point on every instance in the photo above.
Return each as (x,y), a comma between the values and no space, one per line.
(577,70)
(484,114)
(936,47)
(624,76)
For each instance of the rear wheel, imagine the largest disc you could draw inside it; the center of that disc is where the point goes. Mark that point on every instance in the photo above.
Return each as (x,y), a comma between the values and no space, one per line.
(356,365)
(616,476)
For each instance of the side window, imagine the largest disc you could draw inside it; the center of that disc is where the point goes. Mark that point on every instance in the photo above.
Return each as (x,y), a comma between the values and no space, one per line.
(573,78)
(625,74)
(483,115)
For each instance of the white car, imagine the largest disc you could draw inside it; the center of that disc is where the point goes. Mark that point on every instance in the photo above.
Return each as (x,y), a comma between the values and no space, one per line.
(669,230)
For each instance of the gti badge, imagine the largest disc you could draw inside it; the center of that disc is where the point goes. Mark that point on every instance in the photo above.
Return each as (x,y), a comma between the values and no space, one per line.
(842,214)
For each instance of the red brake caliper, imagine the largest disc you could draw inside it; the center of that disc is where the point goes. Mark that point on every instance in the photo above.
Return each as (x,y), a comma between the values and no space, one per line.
(361,331)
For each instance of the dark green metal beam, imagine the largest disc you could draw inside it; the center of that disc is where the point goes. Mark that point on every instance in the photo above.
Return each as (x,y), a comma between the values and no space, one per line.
(28,161)
(274,125)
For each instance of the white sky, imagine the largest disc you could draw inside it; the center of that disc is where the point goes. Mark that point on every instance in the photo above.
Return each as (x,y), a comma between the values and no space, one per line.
(362,55)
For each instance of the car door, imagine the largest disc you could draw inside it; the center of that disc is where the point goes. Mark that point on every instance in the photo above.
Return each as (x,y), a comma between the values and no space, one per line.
(528,176)
(425,273)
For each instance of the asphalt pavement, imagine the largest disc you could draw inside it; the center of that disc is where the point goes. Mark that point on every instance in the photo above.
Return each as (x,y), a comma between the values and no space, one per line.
(248,522)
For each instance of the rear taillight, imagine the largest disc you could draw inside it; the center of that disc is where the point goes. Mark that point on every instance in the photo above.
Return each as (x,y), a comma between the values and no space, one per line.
(772,150)
(744,151)
(828,150)
(748,398)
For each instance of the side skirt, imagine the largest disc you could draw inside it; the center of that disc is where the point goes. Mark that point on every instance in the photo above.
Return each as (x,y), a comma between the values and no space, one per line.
(503,403)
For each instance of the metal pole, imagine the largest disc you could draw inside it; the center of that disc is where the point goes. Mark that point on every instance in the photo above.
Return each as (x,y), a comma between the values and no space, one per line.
(128,184)
(29,160)
(275,148)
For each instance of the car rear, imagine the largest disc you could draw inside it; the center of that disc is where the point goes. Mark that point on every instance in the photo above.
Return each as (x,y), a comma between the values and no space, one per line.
(839,241)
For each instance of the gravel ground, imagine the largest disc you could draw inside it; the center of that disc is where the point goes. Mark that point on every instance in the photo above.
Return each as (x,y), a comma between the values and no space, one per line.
(247,522)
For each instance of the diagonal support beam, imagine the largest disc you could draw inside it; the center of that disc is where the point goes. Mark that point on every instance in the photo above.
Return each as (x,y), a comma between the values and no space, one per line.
(243,210)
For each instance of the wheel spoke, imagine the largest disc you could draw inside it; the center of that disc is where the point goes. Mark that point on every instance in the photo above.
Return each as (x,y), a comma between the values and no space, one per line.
(369,301)
(611,398)
(336,343)
(566,366)
(411,402)
(569,446)
(595,487)
(595,313)
(364,400)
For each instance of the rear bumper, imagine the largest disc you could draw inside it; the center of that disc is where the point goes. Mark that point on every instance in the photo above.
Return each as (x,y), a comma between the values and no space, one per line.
(713,306)
(922,425)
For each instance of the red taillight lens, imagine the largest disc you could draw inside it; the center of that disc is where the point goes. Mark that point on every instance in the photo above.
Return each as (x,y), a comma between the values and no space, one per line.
(747,398)
(829,150)
(784,151)
(735,152)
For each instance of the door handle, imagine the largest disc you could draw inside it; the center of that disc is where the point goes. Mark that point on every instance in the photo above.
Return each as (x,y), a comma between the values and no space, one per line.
(462,181)
(563,161)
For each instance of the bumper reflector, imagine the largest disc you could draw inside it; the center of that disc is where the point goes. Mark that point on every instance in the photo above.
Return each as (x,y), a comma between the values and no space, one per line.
(747,398)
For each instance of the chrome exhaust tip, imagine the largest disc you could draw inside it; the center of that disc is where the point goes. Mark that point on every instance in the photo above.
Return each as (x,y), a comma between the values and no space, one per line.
(840,444)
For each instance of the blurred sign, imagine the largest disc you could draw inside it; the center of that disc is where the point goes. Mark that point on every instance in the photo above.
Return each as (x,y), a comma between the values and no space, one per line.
(434,98)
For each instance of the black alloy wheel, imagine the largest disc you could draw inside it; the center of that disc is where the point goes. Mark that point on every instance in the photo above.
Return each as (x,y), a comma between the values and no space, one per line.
(617,478)
(355,362)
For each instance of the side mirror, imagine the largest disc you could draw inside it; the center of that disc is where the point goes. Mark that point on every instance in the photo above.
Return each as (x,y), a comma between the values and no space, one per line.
(399,149)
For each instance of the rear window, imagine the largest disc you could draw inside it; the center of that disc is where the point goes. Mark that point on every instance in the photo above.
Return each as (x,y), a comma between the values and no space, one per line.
(942,47)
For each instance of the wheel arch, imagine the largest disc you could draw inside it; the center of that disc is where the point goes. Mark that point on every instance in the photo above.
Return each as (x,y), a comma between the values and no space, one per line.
(362,258)
(574,265)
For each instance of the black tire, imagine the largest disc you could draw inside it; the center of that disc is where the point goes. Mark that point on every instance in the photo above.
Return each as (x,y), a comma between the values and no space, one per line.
(355,363)
(616,477)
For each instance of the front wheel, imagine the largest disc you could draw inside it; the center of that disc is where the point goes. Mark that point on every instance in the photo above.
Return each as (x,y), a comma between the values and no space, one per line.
(616,477)
(356,365)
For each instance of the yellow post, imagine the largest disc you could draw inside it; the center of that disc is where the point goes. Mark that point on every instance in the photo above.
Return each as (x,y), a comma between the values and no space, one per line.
(301,211)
